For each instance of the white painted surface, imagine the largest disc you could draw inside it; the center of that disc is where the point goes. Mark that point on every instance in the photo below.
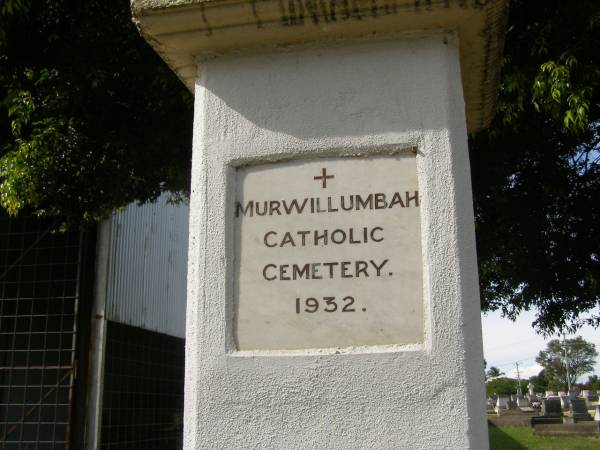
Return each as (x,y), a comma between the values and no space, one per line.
(147,261)
(346,99)
(180,30)
(95,381)
(343,268)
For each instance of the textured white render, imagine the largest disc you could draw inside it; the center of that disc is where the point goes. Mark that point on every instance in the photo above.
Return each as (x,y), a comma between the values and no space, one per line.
(182,30)
(357,97)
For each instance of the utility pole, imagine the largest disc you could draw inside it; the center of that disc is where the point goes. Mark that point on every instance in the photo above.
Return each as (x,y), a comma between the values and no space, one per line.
(566,364)
(519,392)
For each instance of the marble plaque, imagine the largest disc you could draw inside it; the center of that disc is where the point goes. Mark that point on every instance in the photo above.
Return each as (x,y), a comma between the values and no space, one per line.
(328,253)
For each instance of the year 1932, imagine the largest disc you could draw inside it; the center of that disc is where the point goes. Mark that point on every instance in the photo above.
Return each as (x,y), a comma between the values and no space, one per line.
(325,304)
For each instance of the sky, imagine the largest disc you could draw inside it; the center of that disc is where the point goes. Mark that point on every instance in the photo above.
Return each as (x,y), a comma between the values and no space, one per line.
(506,342)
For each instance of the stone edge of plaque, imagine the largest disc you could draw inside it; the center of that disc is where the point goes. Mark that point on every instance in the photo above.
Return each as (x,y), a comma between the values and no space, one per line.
(357,152)
(373,152)
(182,31)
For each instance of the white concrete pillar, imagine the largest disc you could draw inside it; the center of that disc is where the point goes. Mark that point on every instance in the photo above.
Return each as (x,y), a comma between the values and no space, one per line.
(373,97)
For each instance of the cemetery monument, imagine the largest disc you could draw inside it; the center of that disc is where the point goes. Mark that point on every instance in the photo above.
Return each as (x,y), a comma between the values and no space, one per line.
(332,286)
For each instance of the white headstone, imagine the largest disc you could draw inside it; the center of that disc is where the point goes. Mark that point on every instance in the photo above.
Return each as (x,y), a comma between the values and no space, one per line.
(502,404)
(523,402)
(597,413)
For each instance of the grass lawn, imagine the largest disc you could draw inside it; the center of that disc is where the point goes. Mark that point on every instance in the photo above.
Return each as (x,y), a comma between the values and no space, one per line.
(520,438)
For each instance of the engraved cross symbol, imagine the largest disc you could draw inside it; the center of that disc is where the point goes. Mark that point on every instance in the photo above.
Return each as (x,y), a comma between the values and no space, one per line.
(324,177)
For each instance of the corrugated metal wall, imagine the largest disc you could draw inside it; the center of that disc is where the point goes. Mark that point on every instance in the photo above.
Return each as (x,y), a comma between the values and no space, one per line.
(147,268)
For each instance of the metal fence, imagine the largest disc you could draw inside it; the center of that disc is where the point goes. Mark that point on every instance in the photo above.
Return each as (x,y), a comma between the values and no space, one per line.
(46,290)
(38,310)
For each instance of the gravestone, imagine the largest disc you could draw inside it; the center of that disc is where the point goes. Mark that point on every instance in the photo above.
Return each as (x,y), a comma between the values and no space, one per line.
(513,417)
(578,411)
(502,404)
(523,405)
(589,396)
(332,266)
(551,412)
(531,393)
(552,408)
(523,402)
(597,413)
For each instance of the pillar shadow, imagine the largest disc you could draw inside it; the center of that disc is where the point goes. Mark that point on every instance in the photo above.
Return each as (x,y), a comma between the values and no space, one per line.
(500,440)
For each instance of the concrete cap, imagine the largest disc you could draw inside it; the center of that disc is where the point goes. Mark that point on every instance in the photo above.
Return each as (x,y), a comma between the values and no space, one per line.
(183,30)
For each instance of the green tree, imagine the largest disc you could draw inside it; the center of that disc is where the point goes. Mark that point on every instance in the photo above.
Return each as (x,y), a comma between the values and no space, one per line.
(539,381)
(574,357)
(536,171)
(501,386)
(493,372)
(593,383)
(90,118)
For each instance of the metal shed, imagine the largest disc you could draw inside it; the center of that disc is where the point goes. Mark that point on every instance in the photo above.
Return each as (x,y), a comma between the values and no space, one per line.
(92,329)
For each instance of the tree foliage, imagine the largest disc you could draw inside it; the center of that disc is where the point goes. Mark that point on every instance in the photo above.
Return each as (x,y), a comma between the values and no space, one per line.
(90,117)
(536,170)
(539,382)
(493,372)
(576,355)
(501,386)
(593,383)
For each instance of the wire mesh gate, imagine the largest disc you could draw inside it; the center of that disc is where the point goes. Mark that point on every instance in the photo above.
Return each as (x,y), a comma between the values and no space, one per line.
(45,345)
(142,406)
(38,310)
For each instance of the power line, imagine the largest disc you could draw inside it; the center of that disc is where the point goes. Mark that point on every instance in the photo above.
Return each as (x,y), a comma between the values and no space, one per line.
(512,363)
(507,345)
